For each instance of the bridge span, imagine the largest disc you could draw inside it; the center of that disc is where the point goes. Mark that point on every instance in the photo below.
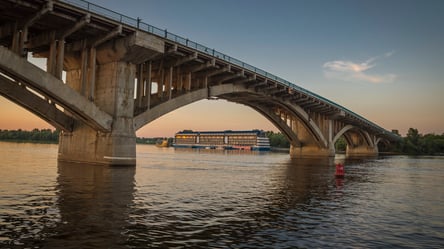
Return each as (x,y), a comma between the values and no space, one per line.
(122,74)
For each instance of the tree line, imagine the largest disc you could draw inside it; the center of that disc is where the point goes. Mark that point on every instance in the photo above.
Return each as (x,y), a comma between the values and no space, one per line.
(36,135)
(413,143)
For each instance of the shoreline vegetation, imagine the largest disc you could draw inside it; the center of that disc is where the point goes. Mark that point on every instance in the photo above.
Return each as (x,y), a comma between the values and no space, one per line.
(413,143)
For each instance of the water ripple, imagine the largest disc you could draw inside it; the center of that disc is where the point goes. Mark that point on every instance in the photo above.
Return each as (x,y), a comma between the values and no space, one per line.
(198,199)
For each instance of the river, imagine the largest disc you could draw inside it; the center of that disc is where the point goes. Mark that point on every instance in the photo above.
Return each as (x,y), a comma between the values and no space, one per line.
(178,198)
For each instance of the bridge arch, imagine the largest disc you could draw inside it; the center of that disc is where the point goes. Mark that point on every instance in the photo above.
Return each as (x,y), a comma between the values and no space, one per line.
(278,123)
(341,132)
(159,110)
(249,97)
(295,114)
(359,142)
(349,130)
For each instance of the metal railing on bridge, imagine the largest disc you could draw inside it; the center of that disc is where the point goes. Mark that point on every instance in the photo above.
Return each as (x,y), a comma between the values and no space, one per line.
(137,23)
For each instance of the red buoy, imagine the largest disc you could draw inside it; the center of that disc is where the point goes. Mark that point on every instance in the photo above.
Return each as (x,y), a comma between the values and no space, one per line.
(339,170)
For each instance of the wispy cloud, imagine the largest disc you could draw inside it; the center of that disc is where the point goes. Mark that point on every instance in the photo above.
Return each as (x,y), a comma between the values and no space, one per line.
(352,71)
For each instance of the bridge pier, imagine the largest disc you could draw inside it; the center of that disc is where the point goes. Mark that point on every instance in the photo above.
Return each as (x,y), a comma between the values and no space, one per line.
(114,94)
(361,151)
(311,152)
(360,144)
(307,144)
(112,90)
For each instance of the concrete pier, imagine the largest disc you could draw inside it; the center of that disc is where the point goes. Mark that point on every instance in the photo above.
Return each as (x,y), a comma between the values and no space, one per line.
(113,92)
(310,152)
(118,147)
(361,151)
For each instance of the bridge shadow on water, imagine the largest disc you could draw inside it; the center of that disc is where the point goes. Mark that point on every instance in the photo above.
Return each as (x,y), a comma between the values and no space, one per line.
(94,204)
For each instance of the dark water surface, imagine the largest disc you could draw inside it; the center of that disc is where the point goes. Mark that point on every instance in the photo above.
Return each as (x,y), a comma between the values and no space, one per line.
(213,199)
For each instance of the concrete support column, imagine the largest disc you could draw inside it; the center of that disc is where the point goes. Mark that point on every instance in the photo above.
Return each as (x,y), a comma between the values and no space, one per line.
(92,73)
(360,144)
(148,85)
(361,151)
(188,82)
(308,147)
(112,74)
(18,40)
(140,85)
(169,83)
(310,152)
(114,95)
(51,60)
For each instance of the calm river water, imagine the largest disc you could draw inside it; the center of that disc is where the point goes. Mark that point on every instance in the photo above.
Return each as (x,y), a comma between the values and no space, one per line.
(215,199)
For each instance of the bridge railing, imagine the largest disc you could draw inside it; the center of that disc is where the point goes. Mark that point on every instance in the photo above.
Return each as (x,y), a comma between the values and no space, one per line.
(137,23)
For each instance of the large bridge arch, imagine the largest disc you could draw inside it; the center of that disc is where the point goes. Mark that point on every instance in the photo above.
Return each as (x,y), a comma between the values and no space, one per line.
(157,111)
(278,123)
(251,98)
(284,115)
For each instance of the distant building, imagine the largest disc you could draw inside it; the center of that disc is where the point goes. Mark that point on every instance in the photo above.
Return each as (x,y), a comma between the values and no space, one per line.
(228,140)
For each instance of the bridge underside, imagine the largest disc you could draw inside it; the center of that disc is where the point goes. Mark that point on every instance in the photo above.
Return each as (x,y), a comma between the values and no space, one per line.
(310,134)
(119,78)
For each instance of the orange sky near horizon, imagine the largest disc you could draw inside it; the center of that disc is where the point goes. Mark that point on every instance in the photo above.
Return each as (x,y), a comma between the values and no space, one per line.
(212,115)
(196,116)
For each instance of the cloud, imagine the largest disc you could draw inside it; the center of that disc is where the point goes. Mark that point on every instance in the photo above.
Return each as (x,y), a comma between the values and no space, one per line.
(352,71)
(388,54)
(347,66)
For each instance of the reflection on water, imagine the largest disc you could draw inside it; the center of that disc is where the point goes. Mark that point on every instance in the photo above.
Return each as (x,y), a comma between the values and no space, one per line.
(216,199)
(94,204)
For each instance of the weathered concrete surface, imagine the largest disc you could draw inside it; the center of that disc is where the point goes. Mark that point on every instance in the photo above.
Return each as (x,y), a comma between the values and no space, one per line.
(115,91)
(311,152)
(114,94)
(45,83)
(169,106)
(361,151)
(87,145)
(31,102)
(136,48)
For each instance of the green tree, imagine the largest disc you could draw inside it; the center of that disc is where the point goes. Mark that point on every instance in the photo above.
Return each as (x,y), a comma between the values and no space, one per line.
(36,135)
(341,144)
(416,144)
(411,142)
(277,140)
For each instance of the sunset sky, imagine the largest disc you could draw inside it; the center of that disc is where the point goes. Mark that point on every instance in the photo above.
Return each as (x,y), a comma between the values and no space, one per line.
(381,59)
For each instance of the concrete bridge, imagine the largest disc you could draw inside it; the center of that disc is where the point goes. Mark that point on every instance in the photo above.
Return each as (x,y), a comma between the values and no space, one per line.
(122,74)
